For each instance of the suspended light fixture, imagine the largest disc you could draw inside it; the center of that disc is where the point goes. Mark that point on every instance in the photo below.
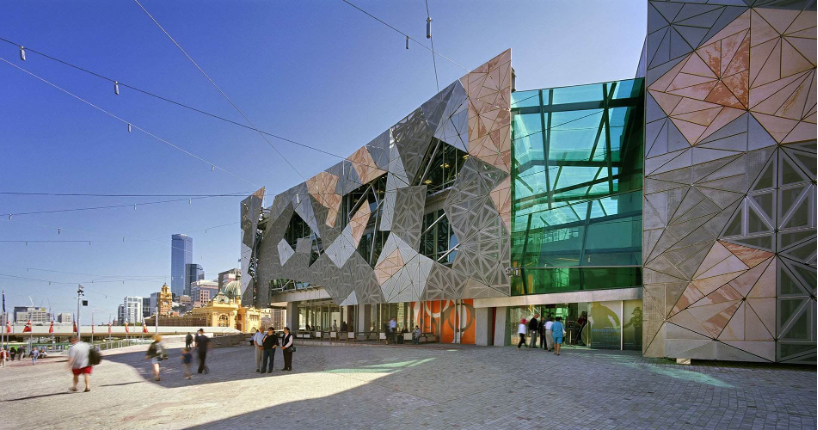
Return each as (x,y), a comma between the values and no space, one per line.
(212,167)
(129,127)
(22,53)
(189,201)
(9,217)
(428,27)
(116,87)
(134,207)
(123,238)
(59,230)
(407,42)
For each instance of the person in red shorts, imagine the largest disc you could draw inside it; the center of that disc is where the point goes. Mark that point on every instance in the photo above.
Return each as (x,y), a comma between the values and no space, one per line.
(79,363)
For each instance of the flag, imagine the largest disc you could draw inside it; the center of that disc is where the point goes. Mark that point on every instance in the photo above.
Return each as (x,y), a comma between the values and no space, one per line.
(75,327)
(27,328)
(144,328)
(51,328)
(8,326)
(4,302)
(126,328)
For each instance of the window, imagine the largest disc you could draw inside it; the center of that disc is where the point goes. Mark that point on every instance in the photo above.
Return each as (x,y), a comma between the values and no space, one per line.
(438,240)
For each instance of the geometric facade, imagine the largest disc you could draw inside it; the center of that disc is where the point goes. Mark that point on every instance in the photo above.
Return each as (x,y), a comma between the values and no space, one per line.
(729,195)
(366,217)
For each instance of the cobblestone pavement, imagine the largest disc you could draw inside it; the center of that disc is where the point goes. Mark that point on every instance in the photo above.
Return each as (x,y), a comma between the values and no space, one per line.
(341,387)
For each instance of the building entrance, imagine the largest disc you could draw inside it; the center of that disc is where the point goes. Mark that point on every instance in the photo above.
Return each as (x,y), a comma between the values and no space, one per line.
(600,325)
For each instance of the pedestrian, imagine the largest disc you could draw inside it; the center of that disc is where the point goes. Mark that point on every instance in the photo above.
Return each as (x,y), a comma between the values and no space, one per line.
(258,338)
(549,335)
(156,354)
(558,332)
(3,355)
(335,325)
(35,353)
(393,326)
(581,321)
(521,333)
(287,347)
(541,332)
(187,358)
(343,326)
(21,351)
(79,362)
(188,340)
(533,327)
(202,342)
(13,353)
(269,342)
(416,336)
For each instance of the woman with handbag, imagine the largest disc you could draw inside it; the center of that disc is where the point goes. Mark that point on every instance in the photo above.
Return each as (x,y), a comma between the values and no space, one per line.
(288,348)
(156,353)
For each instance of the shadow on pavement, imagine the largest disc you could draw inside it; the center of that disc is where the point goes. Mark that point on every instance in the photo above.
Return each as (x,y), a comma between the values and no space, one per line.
(36,397)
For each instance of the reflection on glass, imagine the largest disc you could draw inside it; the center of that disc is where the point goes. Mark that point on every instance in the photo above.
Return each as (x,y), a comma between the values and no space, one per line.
(576,190)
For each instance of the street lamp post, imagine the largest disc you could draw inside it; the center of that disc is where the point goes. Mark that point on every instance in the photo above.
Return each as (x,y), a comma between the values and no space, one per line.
(79,309)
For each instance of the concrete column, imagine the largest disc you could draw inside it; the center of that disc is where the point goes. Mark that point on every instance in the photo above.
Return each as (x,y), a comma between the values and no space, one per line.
(482,328)
(364,319)
(500,326)
(292,316)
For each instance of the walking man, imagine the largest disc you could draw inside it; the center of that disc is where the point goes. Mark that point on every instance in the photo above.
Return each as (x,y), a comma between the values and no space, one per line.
(35,353)
(393,327)
(533,328)
(188,340)
(3,354)
(79,363)
(549,335)
(258,338)
(269,342)
(202,343)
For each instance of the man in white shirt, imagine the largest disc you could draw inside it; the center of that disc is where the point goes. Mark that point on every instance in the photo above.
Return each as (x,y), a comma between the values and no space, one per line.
(549,336)
(258,345)
(78,362)
(393,326)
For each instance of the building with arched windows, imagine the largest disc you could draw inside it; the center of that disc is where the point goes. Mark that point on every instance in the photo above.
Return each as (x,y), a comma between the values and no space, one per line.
(225,310)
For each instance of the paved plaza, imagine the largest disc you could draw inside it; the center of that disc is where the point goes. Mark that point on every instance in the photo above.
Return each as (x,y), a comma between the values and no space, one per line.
(402,387)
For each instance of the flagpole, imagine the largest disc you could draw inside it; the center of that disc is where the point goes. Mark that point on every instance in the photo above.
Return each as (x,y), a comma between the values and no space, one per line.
(92,328)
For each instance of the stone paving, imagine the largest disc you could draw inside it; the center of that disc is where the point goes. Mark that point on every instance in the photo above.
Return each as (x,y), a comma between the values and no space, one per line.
(402,387)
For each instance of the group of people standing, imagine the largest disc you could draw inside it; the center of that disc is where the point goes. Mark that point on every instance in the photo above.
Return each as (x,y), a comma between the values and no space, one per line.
(551,332)
(20,352)
(265,345)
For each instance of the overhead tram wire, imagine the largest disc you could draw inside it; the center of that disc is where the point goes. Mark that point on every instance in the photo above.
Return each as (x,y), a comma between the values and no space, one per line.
(182,105)
(89,242)
(24,193)
(128,123)
(219,89)
(432,41)
(404,34)
(192,108)
(124,205)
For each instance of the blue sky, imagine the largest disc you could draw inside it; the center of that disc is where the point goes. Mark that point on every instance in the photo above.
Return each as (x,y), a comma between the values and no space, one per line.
(318,72)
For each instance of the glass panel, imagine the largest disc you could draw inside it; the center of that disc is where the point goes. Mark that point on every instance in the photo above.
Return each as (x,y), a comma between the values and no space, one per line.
(573,133)
(605,328)
(577,94)
(525,99)
(583,193)
(627,89)
(632,327)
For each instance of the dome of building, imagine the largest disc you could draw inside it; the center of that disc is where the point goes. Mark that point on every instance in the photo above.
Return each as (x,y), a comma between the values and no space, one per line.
(233,290)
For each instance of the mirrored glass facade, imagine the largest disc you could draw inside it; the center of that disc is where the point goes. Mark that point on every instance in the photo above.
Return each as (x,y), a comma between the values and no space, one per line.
(577,187)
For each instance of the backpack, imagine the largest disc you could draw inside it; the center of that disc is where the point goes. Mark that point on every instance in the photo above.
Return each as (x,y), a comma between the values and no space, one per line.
(94,357)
